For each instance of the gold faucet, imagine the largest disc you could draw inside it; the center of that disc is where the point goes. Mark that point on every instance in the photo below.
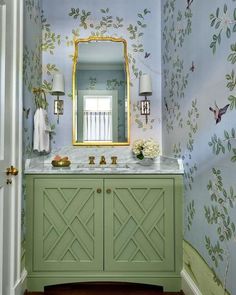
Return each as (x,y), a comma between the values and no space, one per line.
(103,161)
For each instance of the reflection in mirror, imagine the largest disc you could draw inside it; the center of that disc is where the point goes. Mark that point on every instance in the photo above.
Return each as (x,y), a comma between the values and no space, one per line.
(100,92)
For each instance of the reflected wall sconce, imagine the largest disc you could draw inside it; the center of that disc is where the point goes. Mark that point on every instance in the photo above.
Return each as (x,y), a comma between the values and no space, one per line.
(145,89)
(58,89)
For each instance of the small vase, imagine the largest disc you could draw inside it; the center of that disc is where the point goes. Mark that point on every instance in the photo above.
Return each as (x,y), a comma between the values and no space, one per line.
(146,161)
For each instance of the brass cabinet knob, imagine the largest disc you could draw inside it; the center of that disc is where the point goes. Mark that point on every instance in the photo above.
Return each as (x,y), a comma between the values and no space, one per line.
(108,191)
(99,190)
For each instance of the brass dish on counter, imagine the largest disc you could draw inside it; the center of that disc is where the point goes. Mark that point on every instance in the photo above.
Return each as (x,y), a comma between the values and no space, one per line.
(61,163)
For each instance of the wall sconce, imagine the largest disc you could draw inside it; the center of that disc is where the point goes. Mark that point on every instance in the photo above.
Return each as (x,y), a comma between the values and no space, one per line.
(58,89)
(145,89)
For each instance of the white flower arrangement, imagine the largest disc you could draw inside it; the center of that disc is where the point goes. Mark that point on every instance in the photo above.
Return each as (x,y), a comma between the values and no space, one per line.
(146,149)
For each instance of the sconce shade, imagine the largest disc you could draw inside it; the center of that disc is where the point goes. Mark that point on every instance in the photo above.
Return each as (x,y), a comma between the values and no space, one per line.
(145,85)
(58,86)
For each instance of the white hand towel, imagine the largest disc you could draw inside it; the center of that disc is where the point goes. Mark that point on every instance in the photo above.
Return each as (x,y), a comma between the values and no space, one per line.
(41,131)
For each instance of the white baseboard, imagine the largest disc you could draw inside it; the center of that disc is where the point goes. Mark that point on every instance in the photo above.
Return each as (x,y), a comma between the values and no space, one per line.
(188,285)
(20,286)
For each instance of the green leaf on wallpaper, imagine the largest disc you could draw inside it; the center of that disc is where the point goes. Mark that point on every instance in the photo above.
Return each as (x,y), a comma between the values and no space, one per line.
(235,14)
(217,12)
(228,32)
(234,28)
(232,100)
(232,56)
(219,38)
(146,11)
(233,132)
(217,24)
(213,22)
(233,227)
(225,8)
(226,134)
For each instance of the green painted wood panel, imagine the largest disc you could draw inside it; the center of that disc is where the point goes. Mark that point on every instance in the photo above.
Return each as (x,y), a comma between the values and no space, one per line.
(68,225)
(139,225)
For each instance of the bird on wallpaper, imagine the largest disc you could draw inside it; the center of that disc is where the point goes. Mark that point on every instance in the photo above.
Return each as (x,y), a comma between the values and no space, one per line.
(218,112)
(193,67)
(147,55)
(189,2)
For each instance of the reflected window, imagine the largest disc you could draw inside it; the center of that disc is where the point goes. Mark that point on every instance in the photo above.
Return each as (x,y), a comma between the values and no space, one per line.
(97,118)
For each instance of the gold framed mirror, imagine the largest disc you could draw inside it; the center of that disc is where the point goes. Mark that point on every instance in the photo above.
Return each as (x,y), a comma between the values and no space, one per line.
(101,102)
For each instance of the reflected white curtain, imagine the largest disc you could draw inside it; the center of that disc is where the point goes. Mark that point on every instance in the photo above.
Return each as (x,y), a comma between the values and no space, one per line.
(97,126)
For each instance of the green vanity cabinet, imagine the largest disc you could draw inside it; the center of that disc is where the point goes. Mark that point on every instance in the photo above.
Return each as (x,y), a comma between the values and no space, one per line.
(104,228)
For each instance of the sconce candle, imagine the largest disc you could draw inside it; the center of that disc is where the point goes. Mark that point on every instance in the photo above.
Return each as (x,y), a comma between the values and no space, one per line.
(145,89)
(58,89)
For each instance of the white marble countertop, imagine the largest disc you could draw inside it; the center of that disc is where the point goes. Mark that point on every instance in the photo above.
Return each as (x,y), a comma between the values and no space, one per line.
(162,165)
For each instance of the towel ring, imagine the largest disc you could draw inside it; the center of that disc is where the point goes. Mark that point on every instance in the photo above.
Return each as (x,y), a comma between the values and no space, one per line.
(37,92)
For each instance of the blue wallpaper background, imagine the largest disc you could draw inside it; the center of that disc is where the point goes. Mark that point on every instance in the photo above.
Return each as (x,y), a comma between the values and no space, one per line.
(191,57)
(199,105)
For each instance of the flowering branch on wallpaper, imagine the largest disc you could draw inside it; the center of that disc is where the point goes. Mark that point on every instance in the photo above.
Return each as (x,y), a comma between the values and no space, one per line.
(50,39)
(231,78)
(106,26)
(177,26)
(190,214)
(191,123)
(219,215)
(222,23)
(33,9)
(220,145)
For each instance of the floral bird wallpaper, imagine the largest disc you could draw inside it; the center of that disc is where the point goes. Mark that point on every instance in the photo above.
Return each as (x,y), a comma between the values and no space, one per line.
(189,49)
(199,122)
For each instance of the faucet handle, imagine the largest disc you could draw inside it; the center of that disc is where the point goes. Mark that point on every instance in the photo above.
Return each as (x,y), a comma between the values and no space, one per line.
(91,160)
(114,160)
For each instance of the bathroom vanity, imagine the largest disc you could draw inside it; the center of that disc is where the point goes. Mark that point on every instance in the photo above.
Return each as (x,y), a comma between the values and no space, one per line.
(120,223)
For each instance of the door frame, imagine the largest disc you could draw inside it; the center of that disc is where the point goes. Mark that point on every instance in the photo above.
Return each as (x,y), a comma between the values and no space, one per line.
(13,90)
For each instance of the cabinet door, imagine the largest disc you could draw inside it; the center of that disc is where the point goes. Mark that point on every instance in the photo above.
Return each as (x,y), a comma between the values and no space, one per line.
(139,229)
(68,225)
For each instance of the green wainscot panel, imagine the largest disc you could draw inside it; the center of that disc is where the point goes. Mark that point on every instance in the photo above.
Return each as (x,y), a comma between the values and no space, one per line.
(139,225)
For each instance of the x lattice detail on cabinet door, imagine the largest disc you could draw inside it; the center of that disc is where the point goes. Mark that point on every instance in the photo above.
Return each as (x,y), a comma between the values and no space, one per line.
(68,227)
(145,227)
(140,233)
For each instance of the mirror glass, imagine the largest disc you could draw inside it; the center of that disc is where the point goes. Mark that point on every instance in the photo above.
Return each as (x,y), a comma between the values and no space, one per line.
(100,92)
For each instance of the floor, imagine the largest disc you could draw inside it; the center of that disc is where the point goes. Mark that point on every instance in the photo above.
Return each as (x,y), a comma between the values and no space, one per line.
(104,289)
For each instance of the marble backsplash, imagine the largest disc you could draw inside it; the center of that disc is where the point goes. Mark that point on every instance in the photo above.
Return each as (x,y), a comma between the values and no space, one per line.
(81,154)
